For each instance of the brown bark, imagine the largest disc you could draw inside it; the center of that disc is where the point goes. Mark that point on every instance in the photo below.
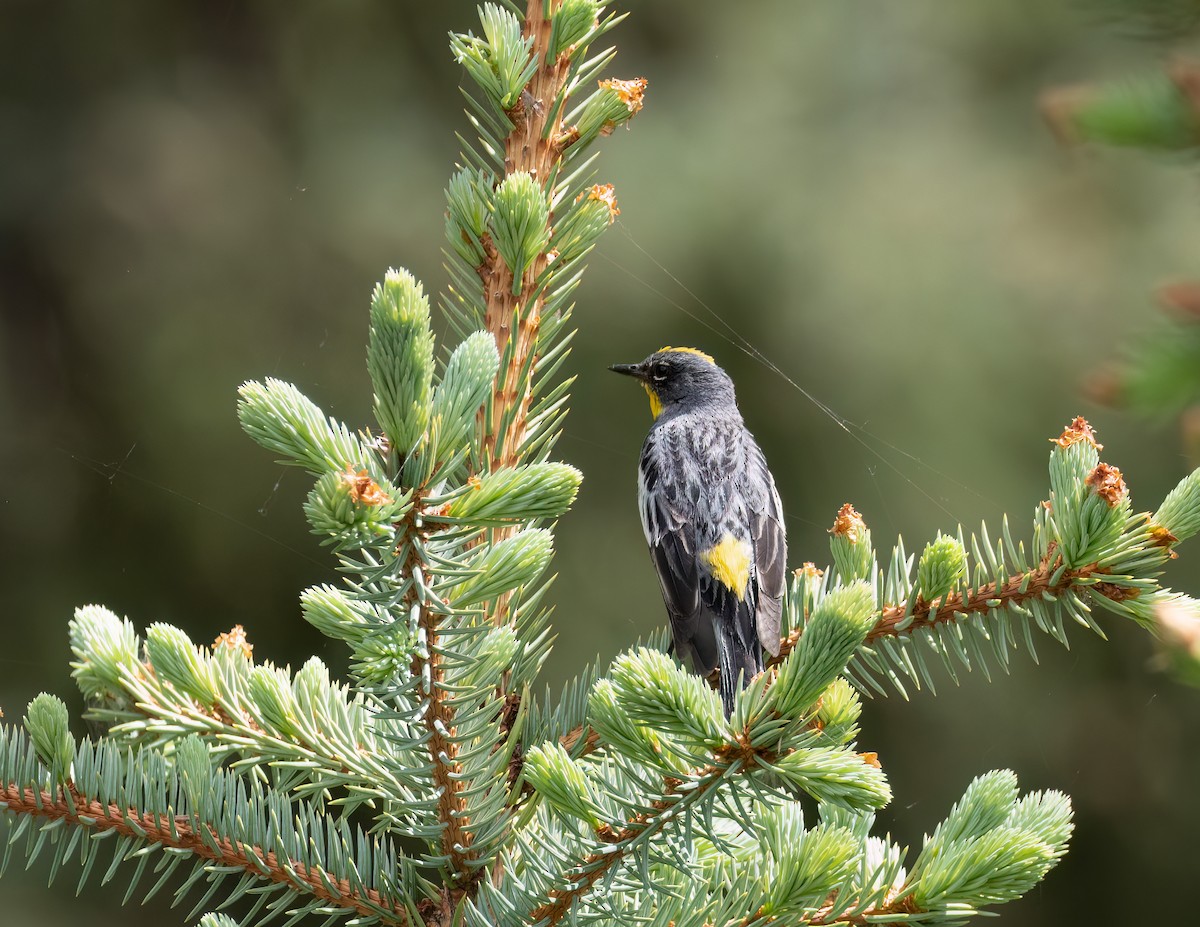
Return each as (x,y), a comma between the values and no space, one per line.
(180,833)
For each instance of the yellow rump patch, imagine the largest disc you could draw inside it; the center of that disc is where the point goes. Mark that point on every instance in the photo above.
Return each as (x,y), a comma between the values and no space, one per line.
(696,351)
(729,561)
(655,402)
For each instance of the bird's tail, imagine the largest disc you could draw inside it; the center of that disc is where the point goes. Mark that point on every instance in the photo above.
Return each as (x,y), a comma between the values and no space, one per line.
(736,660)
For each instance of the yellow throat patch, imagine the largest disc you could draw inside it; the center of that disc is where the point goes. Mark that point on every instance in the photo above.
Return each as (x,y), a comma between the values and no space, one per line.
(655,402)
(729,562)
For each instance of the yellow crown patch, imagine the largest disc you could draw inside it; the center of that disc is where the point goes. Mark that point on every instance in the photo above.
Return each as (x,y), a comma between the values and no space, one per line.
(696,351)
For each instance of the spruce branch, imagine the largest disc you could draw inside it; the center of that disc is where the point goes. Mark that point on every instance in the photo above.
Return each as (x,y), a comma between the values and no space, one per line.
(203,843)
(510,287)
(614,844)
(253,716)
(1048,579)
(967,602)
(515,257)
(853,878)
(191,814)
(652,713)
(438,717)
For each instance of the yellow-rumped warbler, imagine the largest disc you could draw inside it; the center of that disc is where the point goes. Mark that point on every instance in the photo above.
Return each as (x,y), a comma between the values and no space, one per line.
(712,518)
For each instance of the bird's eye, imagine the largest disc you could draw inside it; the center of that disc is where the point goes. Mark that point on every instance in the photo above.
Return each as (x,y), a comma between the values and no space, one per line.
(658,374)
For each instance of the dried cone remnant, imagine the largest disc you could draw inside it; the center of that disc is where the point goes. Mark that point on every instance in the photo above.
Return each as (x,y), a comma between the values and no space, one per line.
(631,92)
(809,571)
(627,93)
(603,193)
(848,524)
(1115,592)
(1078,430)
(363,489)
(234,639)
(1106,482)
(1161,537)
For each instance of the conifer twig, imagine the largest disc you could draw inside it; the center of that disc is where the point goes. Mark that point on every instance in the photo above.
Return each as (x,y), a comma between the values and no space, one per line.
(439,721)
(618,842)
(734,758)
(180,833)
(1049,578)
(530,148)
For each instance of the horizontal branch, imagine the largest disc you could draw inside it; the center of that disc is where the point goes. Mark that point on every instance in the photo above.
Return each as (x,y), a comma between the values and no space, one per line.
(899,906)
(828,915)
(180,833)
(992,596)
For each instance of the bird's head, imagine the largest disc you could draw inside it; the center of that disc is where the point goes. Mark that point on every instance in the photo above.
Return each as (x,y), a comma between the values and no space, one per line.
(680,377)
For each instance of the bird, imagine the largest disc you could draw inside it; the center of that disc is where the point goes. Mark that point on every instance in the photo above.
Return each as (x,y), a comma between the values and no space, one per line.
(712,519)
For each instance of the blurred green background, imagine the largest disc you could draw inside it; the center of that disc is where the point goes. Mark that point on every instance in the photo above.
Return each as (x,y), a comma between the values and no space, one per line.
(196,193)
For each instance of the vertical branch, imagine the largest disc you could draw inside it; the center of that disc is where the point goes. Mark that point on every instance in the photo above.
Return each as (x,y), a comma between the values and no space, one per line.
(529,147)
(456,839)
(439,720)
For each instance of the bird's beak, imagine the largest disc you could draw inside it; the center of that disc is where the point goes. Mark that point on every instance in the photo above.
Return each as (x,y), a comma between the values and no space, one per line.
(630,370)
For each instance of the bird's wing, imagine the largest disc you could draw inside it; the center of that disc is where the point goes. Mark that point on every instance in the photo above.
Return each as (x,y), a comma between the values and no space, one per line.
(716,495)
(770,555)
(672,541)
(725,552)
